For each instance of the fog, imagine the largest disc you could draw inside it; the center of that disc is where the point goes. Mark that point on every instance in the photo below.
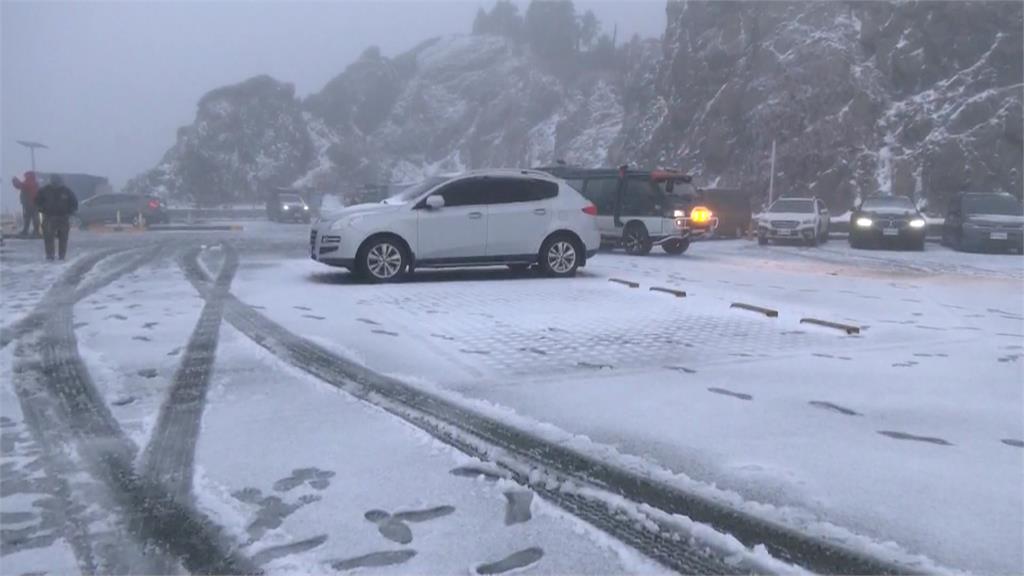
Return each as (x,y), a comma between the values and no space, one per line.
(106,85)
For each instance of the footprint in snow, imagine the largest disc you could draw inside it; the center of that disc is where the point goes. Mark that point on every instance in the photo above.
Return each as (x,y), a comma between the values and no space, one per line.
(272,553)
(1013,442)
(513,561)
(517,506)
(442,337)
(534,351)
(489,474)
(833,407)
(374,559)
(478,352)
(175,352)
(385,332)
(149,325)
(725,392)
(124,401)
(302,308)
(314,317)
(905,436)
(147,372)
(117,316)
(141,338)
(367,321)
(314,477)
(593,366)
(683,369)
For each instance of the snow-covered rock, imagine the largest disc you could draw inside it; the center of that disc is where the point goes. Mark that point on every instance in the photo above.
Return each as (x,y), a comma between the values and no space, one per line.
(918,98)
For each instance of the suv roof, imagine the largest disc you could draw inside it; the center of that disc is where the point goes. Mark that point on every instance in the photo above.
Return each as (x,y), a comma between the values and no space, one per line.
(656,174)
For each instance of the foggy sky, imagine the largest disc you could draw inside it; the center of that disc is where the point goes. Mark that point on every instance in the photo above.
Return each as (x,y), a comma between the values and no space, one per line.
(107,84)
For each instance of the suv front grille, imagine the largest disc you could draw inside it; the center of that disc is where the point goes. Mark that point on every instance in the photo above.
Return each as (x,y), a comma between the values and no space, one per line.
(785,224)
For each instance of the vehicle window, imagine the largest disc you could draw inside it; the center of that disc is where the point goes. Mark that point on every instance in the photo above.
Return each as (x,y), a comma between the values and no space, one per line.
(469,192)
(1002,204)
(290,198)
(601,191)
(888,202)
(416,190)
(103,200)
(507,190)
(641,198)
(542,189)
(792,206)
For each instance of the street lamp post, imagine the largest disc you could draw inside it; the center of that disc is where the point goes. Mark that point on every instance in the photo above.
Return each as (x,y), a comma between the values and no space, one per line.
(32,149)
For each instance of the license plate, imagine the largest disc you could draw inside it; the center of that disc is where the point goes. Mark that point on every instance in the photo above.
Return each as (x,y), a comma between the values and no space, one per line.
(997,236)
(785,232)
(890,232)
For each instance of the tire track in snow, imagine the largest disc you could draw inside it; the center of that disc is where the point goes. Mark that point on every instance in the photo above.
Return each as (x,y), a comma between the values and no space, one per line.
(150,522)
(169,457)
(523,453)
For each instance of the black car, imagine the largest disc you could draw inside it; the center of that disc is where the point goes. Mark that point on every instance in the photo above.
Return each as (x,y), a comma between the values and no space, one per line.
(134,209)
(287,206)
(887,221)
(977,221)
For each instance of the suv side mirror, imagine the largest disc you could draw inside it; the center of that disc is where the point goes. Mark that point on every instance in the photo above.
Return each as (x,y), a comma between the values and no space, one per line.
(823,211)
(435,201)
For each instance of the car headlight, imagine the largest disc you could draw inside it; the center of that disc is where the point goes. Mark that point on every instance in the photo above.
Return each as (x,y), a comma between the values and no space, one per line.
(917,223)
(305,207)
(864,222)
(285,208)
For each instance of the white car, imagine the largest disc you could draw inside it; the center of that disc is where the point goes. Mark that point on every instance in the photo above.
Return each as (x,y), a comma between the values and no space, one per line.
(800,219)
(516,218)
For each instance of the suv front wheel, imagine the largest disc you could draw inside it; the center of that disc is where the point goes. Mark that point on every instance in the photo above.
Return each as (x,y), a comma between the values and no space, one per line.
(560,257)
(383,260)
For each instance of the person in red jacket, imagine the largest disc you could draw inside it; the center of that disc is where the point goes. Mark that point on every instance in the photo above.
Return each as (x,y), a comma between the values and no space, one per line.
(30,214)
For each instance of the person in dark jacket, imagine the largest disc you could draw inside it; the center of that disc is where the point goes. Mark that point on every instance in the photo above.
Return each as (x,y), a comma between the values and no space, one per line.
(57,203)
(28,189)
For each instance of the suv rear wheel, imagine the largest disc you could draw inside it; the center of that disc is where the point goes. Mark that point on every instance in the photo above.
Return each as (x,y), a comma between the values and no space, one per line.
(636,240)
(560,256)
(383,260)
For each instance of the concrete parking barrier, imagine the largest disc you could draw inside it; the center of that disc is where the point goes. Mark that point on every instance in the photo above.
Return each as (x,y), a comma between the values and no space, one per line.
(676,293)
(766,311)
(626,282)
(848,328)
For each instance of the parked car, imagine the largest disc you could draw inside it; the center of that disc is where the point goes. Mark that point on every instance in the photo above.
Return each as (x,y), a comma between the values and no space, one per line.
(640,209)
(132,209)
(285,206)
(517,218)
(978,221)
(795,219)
(887,221)
(731,207)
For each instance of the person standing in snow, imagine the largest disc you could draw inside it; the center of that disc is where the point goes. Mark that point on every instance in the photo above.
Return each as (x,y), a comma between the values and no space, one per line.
(28,190)
(57,203)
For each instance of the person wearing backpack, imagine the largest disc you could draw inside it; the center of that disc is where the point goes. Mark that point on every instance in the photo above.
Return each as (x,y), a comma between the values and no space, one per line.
(57,203)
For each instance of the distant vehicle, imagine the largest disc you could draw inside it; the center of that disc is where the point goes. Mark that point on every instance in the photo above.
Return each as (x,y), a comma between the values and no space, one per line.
(977,221)
(517,218)
(287,206)
(131,209)
(732,207)
(887,221)
(639,209)
(795,219)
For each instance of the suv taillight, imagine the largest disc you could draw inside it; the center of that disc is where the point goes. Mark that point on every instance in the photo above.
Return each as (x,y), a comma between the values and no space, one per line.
(154,204)
(590,209)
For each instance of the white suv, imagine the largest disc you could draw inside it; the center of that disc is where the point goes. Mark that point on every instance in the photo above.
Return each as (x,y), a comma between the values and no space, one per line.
(516,218)
(802,219)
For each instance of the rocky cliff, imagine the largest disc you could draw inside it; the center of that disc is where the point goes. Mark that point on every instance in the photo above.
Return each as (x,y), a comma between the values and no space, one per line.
(920,98)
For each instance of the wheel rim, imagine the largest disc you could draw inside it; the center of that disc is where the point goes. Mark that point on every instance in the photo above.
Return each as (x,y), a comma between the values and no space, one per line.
(632,242)
(384,260)
(561,257)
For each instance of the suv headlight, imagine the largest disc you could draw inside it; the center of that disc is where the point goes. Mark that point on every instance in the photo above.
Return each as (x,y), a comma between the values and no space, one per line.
(864,222)
(917,223)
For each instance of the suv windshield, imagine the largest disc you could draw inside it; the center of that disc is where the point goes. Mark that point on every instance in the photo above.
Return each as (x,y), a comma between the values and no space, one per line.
(888,202)
(290,198)
(416,190)
(793,206)
(1003,204)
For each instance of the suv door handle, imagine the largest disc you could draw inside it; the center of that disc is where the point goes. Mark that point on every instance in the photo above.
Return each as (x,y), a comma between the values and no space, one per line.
(476,215)
(540,211)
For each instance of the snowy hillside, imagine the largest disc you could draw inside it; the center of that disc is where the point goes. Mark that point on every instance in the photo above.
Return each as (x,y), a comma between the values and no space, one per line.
(913,98)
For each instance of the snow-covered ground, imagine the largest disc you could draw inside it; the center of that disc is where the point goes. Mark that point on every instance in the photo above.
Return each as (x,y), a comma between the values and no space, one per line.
(853,436)
(904,441)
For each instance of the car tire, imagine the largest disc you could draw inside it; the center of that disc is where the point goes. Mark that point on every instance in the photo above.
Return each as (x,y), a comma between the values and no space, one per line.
(676,247)
(560,256)
(762,240)
(383,259)
(635,239)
